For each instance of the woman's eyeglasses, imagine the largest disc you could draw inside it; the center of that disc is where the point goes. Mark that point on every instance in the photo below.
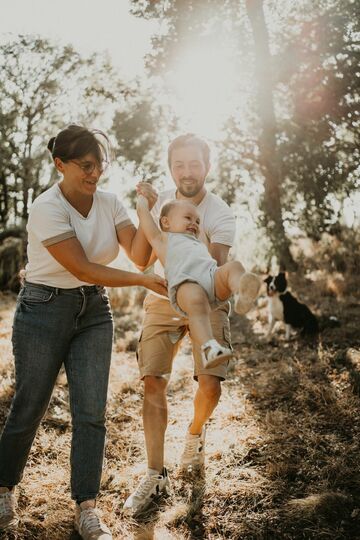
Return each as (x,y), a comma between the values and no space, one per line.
(89,166)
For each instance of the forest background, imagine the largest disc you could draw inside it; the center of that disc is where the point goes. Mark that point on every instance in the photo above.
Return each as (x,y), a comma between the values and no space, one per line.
(274,87)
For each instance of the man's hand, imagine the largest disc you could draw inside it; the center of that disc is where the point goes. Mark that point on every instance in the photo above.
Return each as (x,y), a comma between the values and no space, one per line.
(146,189)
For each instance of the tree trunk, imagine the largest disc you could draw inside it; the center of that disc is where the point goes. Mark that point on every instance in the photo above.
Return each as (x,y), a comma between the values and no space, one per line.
(269,162)
(4,201)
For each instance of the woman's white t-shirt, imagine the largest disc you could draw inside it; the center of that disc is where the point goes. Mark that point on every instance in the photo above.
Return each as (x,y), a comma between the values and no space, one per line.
(52,219)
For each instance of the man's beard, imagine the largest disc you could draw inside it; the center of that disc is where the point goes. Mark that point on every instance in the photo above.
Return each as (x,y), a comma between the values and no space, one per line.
(189,190)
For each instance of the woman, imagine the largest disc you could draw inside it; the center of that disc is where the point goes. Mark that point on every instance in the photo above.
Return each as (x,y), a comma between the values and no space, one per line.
(63,316)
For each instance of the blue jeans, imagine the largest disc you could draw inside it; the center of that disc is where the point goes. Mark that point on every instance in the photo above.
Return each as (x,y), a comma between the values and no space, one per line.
(52,327)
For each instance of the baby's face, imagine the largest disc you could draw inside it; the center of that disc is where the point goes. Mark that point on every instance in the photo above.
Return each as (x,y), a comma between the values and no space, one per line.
(184,218)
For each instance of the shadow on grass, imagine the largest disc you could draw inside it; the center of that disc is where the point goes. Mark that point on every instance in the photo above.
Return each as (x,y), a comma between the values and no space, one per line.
(307,412)
(193,486)
(166,514)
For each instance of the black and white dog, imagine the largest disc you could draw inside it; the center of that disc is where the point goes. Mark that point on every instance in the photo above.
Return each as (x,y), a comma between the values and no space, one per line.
(283,306)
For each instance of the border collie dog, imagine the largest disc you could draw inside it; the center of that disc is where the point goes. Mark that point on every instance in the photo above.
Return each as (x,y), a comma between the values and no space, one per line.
(283,306)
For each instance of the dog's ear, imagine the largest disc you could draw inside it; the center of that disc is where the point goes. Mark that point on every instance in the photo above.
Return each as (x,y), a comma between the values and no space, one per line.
(268,279)
(283,273)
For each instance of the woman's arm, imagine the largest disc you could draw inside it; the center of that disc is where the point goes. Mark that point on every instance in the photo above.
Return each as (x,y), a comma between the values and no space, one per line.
(70,254)
(135,244)
(134,241)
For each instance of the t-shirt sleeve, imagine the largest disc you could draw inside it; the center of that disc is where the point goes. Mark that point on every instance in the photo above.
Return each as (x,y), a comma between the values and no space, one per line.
(121,217)
(223,227)
(49,223)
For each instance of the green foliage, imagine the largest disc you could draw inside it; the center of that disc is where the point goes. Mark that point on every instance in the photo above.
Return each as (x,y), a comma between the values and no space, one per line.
(41,83)
(140,129)
(314,79)
(319,144)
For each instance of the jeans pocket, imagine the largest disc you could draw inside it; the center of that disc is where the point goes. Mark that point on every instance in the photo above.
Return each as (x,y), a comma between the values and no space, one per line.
(32,297)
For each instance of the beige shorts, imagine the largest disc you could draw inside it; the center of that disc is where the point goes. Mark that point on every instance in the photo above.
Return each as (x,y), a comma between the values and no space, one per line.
(162,331)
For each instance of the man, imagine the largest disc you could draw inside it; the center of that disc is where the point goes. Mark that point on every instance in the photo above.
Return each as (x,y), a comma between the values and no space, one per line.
(163,328)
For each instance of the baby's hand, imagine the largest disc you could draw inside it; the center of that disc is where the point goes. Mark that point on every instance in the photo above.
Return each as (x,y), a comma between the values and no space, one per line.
(146,189)
(142,202)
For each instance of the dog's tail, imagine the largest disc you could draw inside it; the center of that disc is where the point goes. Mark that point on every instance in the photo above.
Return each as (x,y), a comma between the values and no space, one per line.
(328,321)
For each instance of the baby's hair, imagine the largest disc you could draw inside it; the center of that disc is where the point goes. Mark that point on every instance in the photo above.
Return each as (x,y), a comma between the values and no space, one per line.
(168,206)
(165,211)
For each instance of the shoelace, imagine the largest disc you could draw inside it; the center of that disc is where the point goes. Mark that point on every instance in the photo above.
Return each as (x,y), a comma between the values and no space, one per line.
(191,447)
(91,520)
(7,503)
(144,486)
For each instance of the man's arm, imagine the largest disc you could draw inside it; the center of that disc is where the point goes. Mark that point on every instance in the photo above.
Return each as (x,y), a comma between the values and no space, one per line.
(219,252)
(152,259)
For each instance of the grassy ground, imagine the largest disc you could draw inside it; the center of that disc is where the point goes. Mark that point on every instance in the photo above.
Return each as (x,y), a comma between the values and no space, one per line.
(283,447)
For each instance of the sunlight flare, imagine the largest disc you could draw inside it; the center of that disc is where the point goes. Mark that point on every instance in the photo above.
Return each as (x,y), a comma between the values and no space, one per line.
(203,86)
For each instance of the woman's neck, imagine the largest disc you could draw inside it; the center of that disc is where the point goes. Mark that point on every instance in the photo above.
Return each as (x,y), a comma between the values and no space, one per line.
(80,201)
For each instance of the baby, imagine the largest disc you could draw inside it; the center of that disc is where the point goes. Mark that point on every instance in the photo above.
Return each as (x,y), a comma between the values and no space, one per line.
(195,283)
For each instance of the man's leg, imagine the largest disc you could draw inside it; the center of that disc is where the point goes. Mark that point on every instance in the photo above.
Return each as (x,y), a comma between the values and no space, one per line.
(208,393)
(158,344)
(206,399)
(155,420)
(156,480)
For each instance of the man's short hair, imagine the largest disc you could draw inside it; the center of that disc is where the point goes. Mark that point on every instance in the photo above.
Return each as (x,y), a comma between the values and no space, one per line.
(190,139)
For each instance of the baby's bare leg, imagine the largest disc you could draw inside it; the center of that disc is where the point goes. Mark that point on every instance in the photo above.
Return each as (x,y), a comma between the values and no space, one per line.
(231,278)
(192,299)
(227,279)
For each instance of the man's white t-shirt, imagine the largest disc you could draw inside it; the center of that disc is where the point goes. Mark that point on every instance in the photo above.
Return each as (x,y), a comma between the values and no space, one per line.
(217,222)
(53,219)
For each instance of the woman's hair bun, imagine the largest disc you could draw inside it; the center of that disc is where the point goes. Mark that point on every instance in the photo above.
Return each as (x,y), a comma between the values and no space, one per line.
(51,144)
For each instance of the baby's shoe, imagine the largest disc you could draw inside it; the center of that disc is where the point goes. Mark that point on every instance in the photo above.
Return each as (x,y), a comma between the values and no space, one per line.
(214,354)
(249,288)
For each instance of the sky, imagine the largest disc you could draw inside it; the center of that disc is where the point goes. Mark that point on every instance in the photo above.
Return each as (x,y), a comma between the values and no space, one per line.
(107,25)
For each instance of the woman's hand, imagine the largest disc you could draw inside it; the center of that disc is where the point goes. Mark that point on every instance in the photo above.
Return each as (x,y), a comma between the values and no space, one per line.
(146,189)
(155,283)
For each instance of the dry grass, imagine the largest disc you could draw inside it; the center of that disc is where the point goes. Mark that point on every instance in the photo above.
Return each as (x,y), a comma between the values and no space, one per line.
(282,449)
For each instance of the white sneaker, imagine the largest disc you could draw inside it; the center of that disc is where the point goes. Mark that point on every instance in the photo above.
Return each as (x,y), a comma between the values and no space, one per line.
(8,516)
(193,456)
(213,353)
(149,488)
(89,525)
(249,288)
